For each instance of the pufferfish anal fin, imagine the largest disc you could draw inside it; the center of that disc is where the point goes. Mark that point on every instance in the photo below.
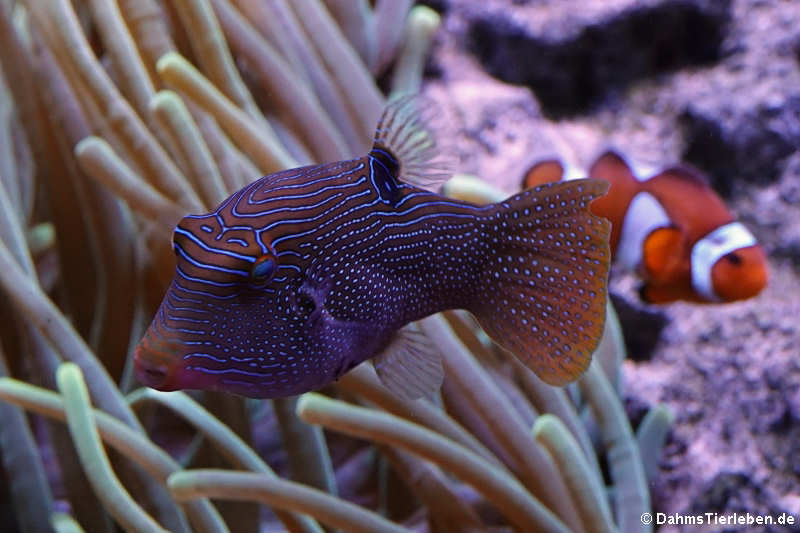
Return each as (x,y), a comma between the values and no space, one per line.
(406,144)
(410,366)
(543,293)
(662,253)
(547,171)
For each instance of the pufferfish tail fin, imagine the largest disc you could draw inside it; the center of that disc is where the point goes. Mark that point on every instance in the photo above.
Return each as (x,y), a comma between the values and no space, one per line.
(405,137)
(544,285)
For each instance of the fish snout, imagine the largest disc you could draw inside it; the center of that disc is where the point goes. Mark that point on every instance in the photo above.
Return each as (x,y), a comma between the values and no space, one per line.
(740,274)
(153,366)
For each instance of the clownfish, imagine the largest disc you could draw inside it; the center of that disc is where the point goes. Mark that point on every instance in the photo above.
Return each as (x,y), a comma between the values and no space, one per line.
(672,229)
(305,273)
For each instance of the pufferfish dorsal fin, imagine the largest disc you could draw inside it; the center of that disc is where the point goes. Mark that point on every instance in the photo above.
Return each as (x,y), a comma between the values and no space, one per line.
(410,366)
(405,131)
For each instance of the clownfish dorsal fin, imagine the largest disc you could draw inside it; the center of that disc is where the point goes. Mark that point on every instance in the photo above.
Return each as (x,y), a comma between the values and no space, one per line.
(616,206)
(410,366)
(612,167)
(546,171)
(662,253)
(685,173)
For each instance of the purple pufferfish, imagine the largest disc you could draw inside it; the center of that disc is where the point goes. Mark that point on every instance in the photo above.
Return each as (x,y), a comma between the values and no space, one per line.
(305,273)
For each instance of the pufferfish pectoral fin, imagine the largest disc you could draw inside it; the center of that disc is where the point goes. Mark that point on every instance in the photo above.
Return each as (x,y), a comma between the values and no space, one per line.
(410,366)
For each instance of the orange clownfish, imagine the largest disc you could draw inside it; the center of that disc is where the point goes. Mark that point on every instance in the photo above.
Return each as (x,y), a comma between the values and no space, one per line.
(672,229)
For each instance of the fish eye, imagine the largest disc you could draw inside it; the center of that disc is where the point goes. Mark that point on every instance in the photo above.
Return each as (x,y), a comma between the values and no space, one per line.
(263,269)
(734,258)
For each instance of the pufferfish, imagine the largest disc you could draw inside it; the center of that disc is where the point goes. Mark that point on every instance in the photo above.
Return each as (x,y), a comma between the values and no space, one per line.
(305,273)
(672,229)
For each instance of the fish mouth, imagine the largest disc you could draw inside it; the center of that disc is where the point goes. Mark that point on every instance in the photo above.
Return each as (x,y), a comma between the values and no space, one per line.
(154,365)
(159,364)
(152,376)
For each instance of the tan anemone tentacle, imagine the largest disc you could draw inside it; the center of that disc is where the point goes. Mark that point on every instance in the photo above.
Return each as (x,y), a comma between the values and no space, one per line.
(184,77)
(67,41)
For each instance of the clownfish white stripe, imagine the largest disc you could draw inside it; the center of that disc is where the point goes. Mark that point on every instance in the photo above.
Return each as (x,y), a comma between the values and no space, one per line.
(644,215)
(642,172)
(571,172)
(708,250)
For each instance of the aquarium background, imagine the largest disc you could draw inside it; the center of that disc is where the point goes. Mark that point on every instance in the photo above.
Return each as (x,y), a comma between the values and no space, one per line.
(712,84)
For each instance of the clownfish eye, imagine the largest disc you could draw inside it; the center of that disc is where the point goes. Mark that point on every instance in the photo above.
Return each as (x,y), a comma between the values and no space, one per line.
(734,258)
(263,269)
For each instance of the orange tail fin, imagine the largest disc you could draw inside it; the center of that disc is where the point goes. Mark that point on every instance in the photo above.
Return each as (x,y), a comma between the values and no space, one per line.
(545,287)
